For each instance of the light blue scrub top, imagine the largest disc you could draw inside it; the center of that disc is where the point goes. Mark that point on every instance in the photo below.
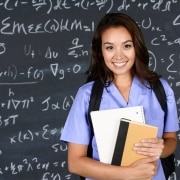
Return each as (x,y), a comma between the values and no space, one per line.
(76,128)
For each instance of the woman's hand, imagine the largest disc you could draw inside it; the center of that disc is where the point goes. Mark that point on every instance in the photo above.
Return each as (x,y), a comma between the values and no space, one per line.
(144,169)
(150,147)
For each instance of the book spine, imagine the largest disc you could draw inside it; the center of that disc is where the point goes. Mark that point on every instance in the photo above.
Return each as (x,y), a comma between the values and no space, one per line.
(120,143)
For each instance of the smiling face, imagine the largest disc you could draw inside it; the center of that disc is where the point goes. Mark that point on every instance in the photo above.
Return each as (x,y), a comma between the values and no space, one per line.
(118,51)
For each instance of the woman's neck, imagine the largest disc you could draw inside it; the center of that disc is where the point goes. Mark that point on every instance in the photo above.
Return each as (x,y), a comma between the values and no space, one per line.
(123,84)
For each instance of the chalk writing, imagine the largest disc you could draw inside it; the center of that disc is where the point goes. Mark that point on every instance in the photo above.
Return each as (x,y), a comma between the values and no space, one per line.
(8,121)
(28,135)
(29,165)
(2,48)
(48,5)
(35,74)
(77,51)
(10,27)
(49,104)
(157,41)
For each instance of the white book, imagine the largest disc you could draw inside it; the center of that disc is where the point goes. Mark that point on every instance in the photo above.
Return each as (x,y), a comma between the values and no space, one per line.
(106,124)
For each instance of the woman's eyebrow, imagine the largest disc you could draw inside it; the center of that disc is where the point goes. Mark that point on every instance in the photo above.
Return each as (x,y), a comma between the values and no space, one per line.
(128,41)
(110,43)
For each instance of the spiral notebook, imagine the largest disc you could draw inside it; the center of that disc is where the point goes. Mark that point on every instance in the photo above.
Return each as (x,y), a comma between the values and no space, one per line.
(106,125)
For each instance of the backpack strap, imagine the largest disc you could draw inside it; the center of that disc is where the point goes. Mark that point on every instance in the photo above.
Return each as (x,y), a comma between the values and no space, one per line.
(94,104)
(95,98)
(161,95)
(168,162)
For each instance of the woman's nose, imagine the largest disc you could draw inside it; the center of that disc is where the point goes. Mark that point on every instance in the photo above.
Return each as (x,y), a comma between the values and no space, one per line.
(118,54)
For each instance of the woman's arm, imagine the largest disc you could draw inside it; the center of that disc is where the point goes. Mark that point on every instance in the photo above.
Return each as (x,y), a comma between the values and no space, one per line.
(79,163)
(170,143)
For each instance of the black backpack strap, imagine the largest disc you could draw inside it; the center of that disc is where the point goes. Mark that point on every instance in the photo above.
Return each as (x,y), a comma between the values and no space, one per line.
(160,94)
(95,98)
(168,162)
(94,103)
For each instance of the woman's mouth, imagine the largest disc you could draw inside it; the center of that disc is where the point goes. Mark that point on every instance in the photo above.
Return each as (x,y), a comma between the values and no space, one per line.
(119,64)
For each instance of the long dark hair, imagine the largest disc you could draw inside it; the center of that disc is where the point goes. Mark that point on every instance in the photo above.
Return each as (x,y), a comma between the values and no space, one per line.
(98,69)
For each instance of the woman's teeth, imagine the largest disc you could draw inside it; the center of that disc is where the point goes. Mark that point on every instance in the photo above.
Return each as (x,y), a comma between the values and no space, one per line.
(120,64)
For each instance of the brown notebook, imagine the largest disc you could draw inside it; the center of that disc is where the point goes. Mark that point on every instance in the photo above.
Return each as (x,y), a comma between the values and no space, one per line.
(129,133)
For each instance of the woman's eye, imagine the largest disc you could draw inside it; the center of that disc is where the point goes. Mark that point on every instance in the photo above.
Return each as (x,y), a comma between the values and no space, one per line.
(127,46)
(109,47)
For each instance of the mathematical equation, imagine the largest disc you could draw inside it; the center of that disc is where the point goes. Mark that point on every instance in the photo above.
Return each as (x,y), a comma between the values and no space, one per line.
(49,6)
(9,26)
(45,133)
(15,104)
(35,165)
(75,51)
(35,74)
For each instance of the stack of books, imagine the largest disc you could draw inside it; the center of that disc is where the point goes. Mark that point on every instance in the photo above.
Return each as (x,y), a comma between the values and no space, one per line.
(117,130)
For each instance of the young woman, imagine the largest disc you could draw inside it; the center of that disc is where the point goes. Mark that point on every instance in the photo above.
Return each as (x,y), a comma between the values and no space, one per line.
(120,60)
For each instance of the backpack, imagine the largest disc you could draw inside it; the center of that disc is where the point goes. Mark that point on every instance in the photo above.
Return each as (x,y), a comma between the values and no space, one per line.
(168,163)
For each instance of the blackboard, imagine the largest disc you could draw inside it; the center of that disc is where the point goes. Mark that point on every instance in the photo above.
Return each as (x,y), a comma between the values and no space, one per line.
(44,53)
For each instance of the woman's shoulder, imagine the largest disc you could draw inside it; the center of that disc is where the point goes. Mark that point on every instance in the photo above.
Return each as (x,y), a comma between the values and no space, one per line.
(165,83)
(86,87)
(168,89)
(84,91)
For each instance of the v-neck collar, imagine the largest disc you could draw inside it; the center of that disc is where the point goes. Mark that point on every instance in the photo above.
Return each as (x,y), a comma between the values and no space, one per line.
(136,90)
